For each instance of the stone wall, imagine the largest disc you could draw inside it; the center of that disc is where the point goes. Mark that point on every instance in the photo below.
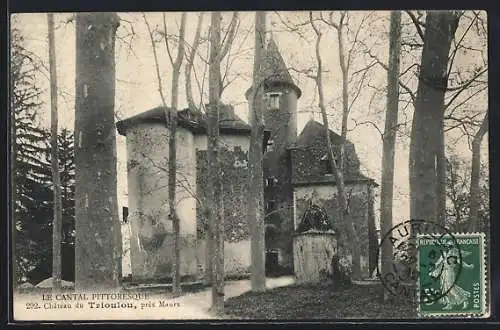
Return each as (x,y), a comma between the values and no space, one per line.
(360,203)
(151,229)
(313,253)
(236,257)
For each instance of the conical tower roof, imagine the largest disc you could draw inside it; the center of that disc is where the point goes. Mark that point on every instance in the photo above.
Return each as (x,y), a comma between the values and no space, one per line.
(274,66)
(275,70)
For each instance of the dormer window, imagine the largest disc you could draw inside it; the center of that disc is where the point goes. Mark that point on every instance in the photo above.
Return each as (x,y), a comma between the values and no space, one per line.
(273,100)
(326,165)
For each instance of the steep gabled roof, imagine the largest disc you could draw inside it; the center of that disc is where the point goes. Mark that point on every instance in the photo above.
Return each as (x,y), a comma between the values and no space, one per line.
(194,121)
(313,134)
(310,132)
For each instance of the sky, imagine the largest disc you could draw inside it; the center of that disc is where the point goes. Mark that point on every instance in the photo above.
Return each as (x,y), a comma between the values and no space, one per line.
(137,85)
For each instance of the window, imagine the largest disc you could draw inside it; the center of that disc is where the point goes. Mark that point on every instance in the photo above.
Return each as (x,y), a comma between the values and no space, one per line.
(270,206)
(326,165)
(271,181)
(125,214)
(270,144)
(273,100)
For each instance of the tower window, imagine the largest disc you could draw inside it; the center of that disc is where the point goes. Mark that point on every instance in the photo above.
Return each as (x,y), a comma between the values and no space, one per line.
(273,100)
(125,214)
(270,144)
(271,181)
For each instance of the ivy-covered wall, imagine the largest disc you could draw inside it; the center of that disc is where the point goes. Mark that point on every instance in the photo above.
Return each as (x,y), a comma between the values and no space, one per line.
(308,164)
(235,191)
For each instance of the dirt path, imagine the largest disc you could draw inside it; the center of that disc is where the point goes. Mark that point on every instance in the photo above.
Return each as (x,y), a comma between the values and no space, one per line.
(199,302)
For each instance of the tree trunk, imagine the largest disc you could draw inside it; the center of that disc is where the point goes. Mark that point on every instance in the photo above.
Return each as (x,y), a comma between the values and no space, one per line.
(98,231)
(172,160)
(475,190)
(216,222)
(441,175)
(256,182)
(439,32)
(389,141)
(351,227)
(54,153)
(348,230)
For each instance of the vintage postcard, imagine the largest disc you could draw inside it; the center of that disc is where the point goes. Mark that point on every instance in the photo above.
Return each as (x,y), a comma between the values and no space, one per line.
(274,165)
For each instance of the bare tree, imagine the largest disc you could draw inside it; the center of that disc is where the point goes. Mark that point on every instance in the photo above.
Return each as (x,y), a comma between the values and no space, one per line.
(98,230)
(171,124)
(172,152)
(337,165)
(54,152)
(429,104)
(475,175)
(389,139)
(216,223)
(463,86)
(256,183)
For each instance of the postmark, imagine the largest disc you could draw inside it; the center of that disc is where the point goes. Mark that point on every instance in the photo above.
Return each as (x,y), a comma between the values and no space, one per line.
(400,279)
(452,283)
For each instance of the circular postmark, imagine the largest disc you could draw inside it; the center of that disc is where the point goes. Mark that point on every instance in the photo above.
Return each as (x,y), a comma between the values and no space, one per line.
(415,269)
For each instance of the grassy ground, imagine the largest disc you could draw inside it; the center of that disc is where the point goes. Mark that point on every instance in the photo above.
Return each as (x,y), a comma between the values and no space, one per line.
(318,302)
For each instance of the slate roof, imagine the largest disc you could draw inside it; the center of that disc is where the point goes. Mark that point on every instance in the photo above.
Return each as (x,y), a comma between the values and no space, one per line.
(312,131)
(275,69)
(195,121)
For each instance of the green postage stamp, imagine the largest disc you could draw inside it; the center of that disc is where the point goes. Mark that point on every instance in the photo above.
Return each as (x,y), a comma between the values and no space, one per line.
(452,275)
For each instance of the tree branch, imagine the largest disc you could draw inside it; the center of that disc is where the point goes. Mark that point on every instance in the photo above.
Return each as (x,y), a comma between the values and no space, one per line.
(383,65)
(228,42)
(157,65)
(417,24)
(166,39)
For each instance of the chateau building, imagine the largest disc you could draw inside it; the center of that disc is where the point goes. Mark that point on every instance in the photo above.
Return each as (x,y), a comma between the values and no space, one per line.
(296,176)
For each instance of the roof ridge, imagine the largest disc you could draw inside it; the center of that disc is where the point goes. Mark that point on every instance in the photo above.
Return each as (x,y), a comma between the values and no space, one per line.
(188,118)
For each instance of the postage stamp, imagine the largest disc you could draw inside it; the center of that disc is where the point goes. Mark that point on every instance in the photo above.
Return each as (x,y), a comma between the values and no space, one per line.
(452,275)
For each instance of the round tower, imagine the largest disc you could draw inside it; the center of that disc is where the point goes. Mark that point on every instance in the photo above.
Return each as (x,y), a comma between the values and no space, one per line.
(280,96)
(280,117)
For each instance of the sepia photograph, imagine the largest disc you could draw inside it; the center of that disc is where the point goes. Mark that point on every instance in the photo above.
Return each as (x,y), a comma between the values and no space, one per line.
(269,165)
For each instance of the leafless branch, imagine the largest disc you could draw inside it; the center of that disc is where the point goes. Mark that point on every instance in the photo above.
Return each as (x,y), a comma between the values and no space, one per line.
(367,122)
(404,86)
(166,40)
(157,65)
(229,38)
(190,63)
(417,23)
